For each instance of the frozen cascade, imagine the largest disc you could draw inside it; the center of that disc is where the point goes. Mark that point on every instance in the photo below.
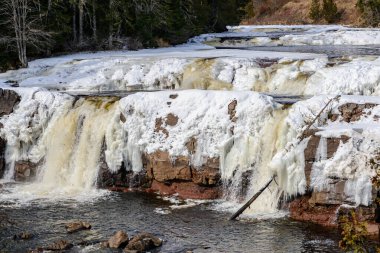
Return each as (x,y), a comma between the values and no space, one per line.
(253,154)
(70,147)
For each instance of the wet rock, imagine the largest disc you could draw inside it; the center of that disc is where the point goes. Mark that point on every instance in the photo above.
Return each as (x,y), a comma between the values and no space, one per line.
(59,245)
(143,242)
(173,96)
(25,170)
(208,174)
(23,236)
(104,245)
(119,240)
(8,100)
(36,250)
(122,118)
(161,167)
(77,226)
(186,190)
(301,209)
(171,119)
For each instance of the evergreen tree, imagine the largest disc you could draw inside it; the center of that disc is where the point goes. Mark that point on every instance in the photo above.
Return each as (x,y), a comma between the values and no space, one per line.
(370,10)
(330,11)
(315,10)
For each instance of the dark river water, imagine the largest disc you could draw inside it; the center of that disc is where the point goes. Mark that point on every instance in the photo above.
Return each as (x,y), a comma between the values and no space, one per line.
(197,228)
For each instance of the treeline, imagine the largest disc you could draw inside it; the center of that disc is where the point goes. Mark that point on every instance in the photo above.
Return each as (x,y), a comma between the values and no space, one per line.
(30,28)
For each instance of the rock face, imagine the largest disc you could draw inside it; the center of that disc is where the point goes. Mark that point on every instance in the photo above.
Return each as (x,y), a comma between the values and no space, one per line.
(176,175)
(325,207)
(305,209)
(77,226)
(119,240)
(143,242)
(8,100)
(312,146)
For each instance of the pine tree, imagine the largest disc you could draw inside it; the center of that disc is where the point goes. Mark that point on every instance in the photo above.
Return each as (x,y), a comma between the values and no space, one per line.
(315,10)
(330,11)
(370,11)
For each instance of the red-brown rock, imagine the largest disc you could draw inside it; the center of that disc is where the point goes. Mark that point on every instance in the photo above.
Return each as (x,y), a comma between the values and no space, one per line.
(186,190)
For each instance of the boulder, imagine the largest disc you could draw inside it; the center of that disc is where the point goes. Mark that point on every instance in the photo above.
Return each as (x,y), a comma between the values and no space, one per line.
(8,100)
(119,240)
(77,226)
(23,236)
(143,242)
(59,246)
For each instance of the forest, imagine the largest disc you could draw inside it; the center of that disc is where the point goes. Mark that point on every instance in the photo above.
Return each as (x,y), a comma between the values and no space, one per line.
(39,28)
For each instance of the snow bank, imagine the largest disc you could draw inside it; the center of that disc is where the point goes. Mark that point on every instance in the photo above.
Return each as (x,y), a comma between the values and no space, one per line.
(340,37)
(358,77)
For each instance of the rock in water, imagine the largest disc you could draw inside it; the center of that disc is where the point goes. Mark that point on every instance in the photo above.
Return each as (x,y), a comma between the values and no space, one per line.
(59,245)
(23,236)
(77,226)
(143,242)
(119,240)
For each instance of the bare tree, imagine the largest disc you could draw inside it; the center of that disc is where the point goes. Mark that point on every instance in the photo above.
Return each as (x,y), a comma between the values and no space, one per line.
(24,21)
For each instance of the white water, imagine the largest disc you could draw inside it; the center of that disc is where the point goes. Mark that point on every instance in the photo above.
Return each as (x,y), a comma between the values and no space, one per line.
(70,149)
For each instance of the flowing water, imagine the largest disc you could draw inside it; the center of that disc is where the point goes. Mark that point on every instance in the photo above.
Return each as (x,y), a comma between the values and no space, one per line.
(198,228)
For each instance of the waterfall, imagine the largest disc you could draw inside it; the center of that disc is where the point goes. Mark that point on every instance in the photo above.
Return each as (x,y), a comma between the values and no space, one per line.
(253,154)
(70,148)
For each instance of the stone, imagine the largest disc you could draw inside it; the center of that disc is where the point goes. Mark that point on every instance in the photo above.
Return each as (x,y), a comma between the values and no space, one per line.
(173,96)
(122,118)
(77,226)
(8,100)
(23,236)
(25,170)
(119,240)
(232,110)
(171,119)
(59,245)
(143,242)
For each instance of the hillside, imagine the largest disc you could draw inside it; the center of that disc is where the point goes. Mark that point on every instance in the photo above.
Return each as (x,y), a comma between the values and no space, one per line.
(297,12)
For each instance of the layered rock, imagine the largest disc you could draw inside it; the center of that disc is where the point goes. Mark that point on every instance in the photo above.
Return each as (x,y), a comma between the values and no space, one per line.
(326,206)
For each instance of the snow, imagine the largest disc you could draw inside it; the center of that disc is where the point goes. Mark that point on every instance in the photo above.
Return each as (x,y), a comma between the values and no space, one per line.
(201,114)
(340,37)
(350,162)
